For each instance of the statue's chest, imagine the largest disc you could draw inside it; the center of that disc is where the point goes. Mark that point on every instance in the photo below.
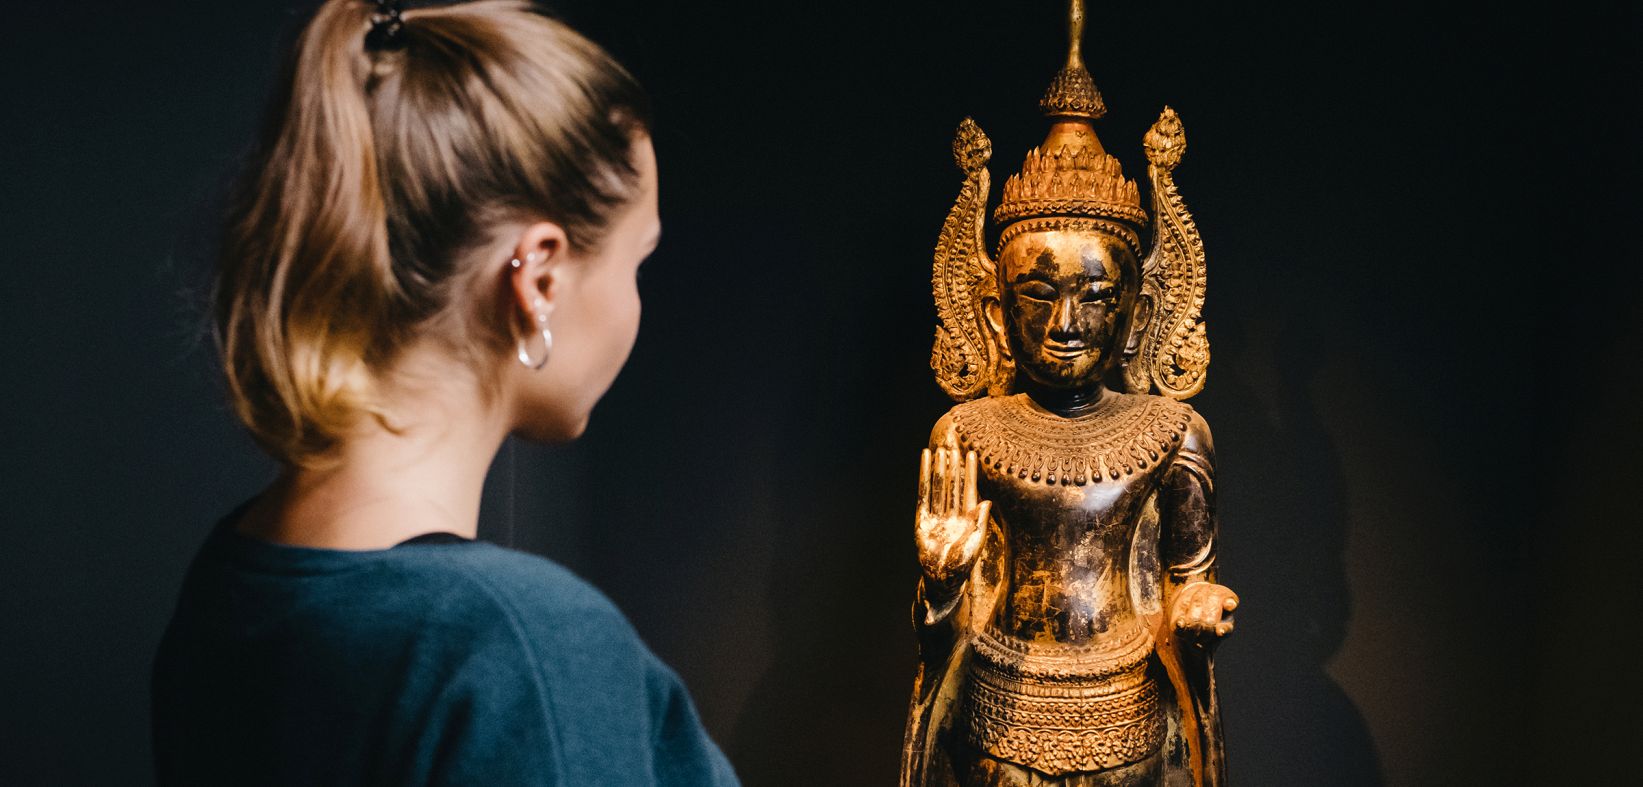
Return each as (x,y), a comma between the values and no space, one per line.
(1126,437)
(1070,477)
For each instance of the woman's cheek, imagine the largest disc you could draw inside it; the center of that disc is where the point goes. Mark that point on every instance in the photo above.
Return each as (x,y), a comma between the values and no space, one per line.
(617,322)
(629,307)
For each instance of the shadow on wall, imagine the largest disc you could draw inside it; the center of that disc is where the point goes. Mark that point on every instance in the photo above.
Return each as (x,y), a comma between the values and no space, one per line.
(1284,525)
(831,708)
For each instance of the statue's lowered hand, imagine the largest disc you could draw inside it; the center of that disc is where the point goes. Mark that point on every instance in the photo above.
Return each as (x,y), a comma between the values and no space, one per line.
(1203,612)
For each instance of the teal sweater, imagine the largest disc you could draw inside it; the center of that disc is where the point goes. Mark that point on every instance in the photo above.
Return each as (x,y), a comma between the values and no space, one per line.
(437,663)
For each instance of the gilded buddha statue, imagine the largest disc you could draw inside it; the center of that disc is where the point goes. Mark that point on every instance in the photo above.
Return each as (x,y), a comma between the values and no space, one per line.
(1068,606)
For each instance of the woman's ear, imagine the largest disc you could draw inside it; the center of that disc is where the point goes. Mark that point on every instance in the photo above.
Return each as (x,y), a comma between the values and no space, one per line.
(537,255)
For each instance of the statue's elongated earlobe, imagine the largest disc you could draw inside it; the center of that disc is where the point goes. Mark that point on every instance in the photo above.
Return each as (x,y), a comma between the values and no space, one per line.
(1137,330)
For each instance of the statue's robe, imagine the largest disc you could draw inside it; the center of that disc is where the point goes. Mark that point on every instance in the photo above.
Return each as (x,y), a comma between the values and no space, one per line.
(936,753)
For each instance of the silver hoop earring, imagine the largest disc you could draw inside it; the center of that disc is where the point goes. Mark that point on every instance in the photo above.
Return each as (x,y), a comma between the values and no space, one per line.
(547,344)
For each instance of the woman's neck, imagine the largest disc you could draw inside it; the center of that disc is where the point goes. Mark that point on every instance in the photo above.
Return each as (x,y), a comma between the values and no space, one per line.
(383,486)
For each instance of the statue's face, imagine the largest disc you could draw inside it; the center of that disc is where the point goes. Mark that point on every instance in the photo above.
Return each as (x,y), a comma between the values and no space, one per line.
(1066,299)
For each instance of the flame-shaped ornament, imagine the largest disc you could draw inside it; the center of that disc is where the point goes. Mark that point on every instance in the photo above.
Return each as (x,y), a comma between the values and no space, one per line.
(969,358)
(1173,359)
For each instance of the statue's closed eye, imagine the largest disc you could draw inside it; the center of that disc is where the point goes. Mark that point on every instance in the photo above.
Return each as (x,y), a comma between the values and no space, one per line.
(1104,295)
(1036,290)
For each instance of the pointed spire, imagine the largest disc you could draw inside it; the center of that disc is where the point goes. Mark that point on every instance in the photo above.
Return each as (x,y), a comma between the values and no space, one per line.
(1073,93)
(1070,174)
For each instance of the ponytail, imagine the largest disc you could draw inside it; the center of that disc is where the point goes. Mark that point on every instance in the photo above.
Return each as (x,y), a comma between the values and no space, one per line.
(377,168)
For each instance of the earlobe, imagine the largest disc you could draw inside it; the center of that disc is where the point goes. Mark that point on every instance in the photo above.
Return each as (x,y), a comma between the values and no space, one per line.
(1139,318)
(532,283)
(532,279)
(992,310)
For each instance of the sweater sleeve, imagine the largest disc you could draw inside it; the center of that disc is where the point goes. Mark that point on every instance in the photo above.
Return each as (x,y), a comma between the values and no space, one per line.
(683,753)
(494,726)
(615,714)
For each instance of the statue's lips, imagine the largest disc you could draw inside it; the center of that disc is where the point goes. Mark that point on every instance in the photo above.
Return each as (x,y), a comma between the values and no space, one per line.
(1064,352)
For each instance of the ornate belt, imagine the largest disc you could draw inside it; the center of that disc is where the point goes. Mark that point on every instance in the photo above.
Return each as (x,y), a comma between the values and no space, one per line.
(1059,708)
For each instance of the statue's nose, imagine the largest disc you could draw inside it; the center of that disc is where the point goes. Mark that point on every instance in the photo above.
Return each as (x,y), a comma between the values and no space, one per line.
(1061,319)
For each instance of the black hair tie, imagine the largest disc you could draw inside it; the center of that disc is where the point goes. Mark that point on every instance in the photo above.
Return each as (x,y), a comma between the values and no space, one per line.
(387,28)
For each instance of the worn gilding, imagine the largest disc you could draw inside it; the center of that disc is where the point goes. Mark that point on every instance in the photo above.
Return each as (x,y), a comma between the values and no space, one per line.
(1069,604)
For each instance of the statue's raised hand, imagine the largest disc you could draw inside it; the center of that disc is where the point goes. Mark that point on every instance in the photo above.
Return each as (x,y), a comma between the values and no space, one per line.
(951,523)
(1203,612)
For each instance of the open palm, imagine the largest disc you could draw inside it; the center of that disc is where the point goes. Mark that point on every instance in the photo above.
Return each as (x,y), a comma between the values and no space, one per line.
(951,522)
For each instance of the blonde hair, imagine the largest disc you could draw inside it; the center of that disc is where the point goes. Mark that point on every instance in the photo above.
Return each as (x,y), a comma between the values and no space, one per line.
(381,165)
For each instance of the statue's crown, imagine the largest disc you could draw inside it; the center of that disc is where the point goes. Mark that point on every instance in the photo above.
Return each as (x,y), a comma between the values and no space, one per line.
(1070,174)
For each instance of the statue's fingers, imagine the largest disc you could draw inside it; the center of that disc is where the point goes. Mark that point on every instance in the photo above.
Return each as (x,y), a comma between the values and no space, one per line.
(950,483)
(924,480)
(1224,628)
(1230,603)
(951,490)
(1196,623)
(955,483)
(945,491)
(970,481)
(938,483)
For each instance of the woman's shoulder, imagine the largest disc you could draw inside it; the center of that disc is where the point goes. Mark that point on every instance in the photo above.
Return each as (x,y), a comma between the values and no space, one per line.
(542,648)
(522,646)
(601,686)
(545,604)
(531,619)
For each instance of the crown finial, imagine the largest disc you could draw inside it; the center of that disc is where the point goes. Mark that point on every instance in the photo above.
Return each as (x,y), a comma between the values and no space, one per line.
(1075,33)
(1070,174)
(1073,93)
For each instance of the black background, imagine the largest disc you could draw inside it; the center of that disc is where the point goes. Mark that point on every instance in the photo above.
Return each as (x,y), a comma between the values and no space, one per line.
(1422,266)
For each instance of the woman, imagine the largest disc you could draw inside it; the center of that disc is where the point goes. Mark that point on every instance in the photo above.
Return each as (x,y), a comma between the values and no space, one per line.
(434,248)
